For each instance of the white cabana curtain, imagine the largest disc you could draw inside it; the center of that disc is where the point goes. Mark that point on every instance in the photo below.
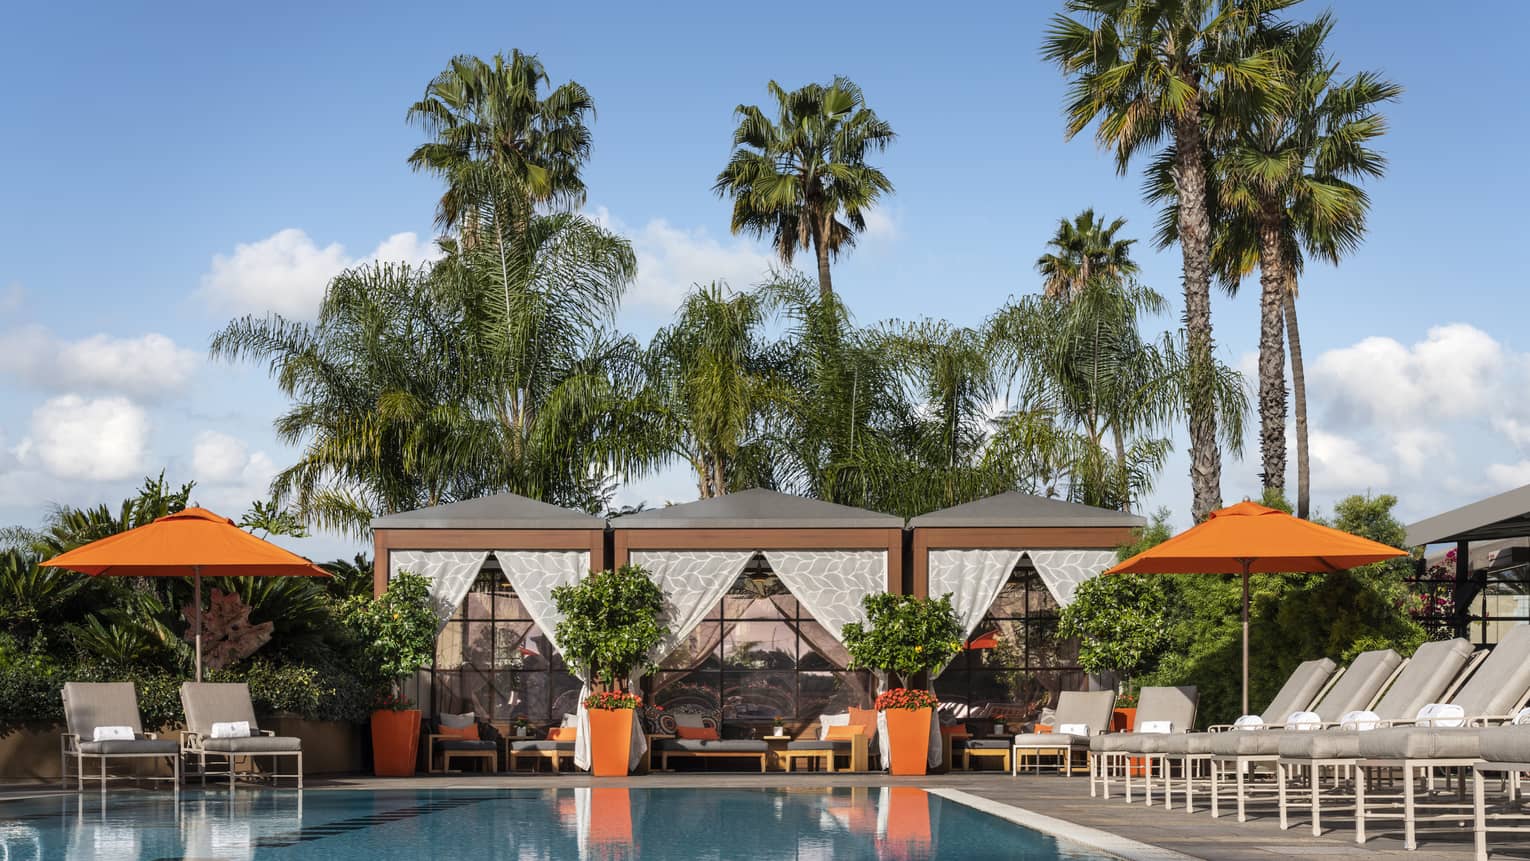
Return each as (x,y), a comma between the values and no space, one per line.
(973,577)
(450,572)
(1063,570)
(535,574)
(831,583)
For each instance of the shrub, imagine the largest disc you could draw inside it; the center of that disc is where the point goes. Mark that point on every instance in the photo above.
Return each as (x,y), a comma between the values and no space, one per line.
(908,635)
(610,624)
(1121,624)
(396,631)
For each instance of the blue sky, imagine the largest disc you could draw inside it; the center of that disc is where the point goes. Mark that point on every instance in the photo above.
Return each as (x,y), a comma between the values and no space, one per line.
(168,167)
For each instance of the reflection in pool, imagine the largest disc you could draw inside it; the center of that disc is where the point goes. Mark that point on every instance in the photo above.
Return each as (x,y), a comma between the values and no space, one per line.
(585,823)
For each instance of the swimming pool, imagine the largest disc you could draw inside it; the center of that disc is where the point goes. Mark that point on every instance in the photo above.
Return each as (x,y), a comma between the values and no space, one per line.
(574,823)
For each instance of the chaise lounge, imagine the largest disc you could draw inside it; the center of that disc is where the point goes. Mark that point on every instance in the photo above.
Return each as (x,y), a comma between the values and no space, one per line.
(213,709)
(1086,710)
(102,723)
(1170,707)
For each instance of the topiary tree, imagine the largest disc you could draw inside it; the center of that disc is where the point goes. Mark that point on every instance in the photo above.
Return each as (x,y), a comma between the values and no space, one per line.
(907,636)
(396,630)
(1121,624)
(610,625)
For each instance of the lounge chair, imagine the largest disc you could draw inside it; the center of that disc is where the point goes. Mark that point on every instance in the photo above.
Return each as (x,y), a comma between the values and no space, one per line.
(1305,684)
(1089,709)
(1492,695)
(1356,689)
(92,705)
(1174,706)
(1506,751)
(1429,677)
(209,703)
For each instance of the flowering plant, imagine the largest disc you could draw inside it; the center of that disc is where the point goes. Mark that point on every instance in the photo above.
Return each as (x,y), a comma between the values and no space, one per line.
(611,700)
(392,701)
(906,698)
(1126,701)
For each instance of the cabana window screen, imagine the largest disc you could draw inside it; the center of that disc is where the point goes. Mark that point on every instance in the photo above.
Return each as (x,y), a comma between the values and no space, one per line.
(1017,662)
(492,659)
(759,655)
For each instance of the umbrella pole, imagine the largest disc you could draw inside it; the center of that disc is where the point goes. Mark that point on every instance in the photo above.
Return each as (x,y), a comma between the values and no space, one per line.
(196,613)
(1245,563)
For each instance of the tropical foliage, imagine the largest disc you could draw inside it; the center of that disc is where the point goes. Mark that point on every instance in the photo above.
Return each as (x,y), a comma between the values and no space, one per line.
(904,636)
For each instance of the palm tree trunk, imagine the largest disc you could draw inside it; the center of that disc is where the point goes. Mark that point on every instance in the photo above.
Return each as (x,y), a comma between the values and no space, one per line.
(1299,396)
(1195,247)
(821,248)
(1272,351)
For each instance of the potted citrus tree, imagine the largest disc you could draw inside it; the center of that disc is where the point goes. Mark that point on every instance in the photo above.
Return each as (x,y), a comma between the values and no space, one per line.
(397,633)
(905,637)
(610,627)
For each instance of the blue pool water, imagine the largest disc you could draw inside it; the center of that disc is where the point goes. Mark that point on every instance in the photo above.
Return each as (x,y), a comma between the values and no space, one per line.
(604,824)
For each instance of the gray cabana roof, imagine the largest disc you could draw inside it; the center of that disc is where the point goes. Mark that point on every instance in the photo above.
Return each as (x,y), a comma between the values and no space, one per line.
(1506,515)
(757,509)
(500,511)
(1022,509)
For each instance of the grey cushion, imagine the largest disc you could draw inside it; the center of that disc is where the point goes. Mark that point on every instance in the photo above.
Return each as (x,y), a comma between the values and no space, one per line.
(1299,690)
(88,705)
(254,744)
(961,744)
(1505,744)
(1425,679)
(812,744)
(542,744)
(1252,742)
(1176,705)
(1501,681)
(1113,742)
(207,703)
(1393,743)
(1050,739)
(1323,744)
(1091,708)
(690,721)
(727,745)
(145,746)
(1190,743)
(1153,742)
(1358,687)
(465,744)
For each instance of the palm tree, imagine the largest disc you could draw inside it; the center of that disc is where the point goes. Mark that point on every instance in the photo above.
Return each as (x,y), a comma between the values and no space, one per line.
(496,139)
(1083,248)
(802,179)
(1148,70)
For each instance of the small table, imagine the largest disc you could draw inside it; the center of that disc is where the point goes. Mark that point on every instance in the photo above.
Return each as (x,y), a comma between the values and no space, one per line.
(1002,753)
(645,764)
(489,756)
(777,745)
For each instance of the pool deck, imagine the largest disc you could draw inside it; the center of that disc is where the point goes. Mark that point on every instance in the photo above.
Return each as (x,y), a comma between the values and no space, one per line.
(1040,796)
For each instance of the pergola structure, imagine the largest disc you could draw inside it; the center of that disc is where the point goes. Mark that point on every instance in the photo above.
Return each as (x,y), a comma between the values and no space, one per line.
(1495,519)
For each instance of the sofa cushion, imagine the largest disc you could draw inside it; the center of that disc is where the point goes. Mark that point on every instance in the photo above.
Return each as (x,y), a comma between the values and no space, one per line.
(1326,744)
(813,745)
(727,745)
(542,744)
(1049,739)
(145,746)
(254,744)
(462,744)
(1395,743)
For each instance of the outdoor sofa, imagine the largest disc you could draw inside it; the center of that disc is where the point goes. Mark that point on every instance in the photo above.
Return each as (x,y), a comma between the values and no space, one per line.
(707,748)
(92,705)
(444,741)
(1431,675)
(209,703)
(1090,710)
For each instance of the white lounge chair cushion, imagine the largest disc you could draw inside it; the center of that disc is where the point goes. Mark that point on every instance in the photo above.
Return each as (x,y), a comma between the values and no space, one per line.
(1521,717)
(113,733)
(1326,744)
(1441,715)
(826,721)
(1249,722)
(1156,726)
(1304,721)
(461,721)
(1073,729)
(1394,743)
(570,720)
(1359,721)
(231,729)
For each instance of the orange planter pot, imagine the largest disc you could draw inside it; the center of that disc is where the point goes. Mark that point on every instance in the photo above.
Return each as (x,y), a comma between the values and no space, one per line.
(1121,719)
(908,739)
(610,741)
(395,742)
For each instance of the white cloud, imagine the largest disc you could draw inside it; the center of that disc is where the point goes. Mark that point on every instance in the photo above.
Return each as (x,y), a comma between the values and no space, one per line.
(101,440)
(229,476)
(218,456)
(671,259)
(146,366)
(1342,465)
(883,224)
(287,272)
(1379,379)
(1419,448)
(1507,476)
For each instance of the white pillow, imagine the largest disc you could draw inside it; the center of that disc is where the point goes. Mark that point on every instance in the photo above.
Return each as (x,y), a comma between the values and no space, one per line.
(690,721)
(1522,717)
(112,733)
(1158,727)
(1359,721)
(1249,722)
(1304,721)
(231,729)
(1441,714)
(1073,729)
(570,720)
(457,721)
(826,721)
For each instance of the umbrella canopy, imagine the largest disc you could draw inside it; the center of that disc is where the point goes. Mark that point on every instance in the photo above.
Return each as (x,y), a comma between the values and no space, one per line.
(1249,538)
(189,543)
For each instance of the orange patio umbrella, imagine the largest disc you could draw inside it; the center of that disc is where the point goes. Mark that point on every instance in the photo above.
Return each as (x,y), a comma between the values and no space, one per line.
(188,543)
(1249,538)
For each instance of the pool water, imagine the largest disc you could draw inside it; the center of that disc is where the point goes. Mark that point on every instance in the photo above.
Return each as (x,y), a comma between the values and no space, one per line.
(575,823)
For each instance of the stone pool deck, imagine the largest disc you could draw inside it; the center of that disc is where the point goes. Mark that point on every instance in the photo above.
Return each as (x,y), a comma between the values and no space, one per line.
(1196,835)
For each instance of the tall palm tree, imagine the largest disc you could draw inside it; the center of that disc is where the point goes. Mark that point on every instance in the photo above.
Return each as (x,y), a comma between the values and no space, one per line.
(802,178)
(1081,249)
(1147,71)
(497,138)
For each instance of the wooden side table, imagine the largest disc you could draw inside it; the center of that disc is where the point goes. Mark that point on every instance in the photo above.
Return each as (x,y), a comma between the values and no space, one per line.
(487,756)
(777,745)
(646,763)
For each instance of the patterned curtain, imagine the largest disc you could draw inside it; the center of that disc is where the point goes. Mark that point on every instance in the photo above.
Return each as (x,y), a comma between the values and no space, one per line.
(450,572)
(974,579)
(535,574)
(831,583)
(1064,570)
(693,581)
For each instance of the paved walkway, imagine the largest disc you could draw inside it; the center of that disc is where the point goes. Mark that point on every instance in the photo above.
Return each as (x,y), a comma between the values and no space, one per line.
(1067,799)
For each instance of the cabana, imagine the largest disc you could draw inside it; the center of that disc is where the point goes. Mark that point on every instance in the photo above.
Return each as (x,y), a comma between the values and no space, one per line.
(1483,588)
(760,585)
(1010,563)
(493,563)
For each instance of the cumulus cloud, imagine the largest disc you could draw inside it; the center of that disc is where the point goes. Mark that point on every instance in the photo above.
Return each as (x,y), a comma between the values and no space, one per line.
(671,259)
(102,439)
(1344,465)
(1456,366)
(287,272)
(1507,476)
(146,366)
(883,224)
(229,476)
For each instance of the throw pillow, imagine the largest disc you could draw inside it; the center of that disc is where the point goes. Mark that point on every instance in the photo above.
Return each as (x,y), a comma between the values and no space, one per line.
(845,733)
(826,721)
(866,719)
(460,733)
(697,733)
(690,720)
(563,733)
(457,721)
(114,733)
